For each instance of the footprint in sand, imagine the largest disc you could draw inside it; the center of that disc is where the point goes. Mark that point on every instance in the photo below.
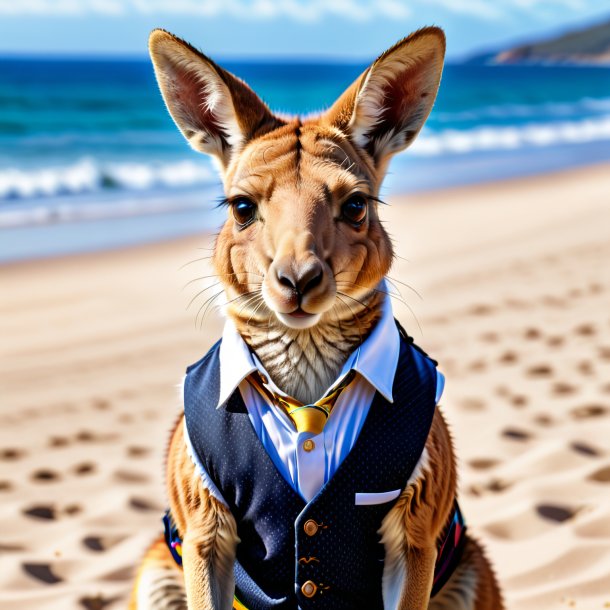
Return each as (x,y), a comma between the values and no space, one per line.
(44,512)
(138,451)
(141,504)
(481,310)
(6,486)
(603,352)
(102,543)
(11,454)
(494,486)
(585,330)
(127,476)
(96,602)
(555,341)
(508,357)
(45,475)
(561,388)
(539,370)
(600,476)
(489,337)
(59,441)
(483,463)
(86,436)
(516,434)
(41,572)
(498,485)
(584,449)
(85,468)
(544,420)
(11,548)
(519,401)
(588,411)
(553,512)
(532,334)
(101,404)
(472,404)
(477,366)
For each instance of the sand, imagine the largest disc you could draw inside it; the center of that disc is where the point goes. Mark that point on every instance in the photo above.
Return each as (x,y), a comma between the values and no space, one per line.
(515,294)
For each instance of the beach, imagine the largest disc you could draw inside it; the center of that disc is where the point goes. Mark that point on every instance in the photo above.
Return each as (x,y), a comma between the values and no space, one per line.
(508,288)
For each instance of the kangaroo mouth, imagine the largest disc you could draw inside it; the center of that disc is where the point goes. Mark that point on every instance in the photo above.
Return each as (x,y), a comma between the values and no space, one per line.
(298,319)
(300,313)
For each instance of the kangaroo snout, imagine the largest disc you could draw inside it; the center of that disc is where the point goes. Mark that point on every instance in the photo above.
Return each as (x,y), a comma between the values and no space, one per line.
(298,285)
(299,289)
(302,279)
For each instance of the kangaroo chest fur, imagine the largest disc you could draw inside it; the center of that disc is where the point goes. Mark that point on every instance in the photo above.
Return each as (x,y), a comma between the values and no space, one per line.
(325,554)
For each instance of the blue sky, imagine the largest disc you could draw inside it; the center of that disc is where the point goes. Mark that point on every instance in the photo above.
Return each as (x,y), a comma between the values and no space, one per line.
(278,28)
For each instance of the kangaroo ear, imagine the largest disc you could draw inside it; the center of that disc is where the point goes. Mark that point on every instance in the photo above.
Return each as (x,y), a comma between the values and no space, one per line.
(215,111)
(385,108)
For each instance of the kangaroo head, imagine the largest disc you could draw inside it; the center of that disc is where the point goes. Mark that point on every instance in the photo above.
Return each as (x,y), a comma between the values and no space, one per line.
(302,250)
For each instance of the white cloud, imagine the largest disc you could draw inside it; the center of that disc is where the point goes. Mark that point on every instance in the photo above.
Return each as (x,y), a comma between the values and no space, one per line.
(299,10)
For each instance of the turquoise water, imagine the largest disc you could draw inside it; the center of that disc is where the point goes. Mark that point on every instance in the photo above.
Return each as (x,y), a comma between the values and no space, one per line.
(82,141)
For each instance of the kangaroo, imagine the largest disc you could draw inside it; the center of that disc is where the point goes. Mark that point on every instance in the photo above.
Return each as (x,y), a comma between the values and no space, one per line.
(302,258)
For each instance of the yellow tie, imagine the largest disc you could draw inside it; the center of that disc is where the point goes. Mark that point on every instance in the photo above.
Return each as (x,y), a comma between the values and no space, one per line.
(306,418)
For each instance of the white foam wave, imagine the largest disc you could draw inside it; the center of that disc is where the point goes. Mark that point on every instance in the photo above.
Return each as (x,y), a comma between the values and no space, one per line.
(88,176)
(77,212)
(584,106)
(453,141)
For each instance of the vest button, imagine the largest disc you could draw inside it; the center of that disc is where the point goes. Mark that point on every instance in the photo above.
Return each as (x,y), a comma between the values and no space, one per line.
(309,445)
(309,589)
(310,527)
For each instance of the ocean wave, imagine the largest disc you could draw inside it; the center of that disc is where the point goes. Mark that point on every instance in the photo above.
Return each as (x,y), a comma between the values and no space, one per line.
(583,107)
(90,176)
(537,135)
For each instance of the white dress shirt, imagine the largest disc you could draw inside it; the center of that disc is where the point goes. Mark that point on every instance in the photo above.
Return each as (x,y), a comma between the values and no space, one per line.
(308,466)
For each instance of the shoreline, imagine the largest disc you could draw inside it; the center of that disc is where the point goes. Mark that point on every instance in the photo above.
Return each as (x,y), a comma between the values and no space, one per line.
(189,214)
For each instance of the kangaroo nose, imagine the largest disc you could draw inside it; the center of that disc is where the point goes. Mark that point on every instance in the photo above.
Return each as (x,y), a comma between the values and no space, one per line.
(303,279)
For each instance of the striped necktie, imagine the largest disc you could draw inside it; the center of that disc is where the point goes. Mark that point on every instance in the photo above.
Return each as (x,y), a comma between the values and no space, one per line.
(306,418)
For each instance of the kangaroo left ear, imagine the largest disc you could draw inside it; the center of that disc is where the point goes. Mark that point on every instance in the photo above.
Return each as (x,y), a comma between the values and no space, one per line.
(385,108)
(215,111)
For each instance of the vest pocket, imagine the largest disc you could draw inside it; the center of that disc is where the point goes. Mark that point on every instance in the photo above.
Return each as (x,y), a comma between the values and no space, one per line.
(368,499)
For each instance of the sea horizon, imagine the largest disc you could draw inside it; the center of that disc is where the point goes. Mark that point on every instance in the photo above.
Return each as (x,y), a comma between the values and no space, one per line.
(86,142)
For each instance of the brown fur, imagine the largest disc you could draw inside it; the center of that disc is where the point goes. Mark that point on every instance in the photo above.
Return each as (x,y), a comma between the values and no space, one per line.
(301,281)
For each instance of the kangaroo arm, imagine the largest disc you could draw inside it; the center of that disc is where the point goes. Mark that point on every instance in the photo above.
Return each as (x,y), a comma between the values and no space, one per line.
(208,530)
(411,529)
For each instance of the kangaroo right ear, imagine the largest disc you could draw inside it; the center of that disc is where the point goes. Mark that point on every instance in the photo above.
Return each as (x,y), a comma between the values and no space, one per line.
(384,109)
(215,111)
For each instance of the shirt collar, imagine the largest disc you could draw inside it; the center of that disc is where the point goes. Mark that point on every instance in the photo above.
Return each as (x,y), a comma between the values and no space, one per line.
(236,361)
(376,359)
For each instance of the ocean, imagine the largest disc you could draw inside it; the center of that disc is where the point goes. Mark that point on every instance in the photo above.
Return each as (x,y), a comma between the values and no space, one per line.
(90,159)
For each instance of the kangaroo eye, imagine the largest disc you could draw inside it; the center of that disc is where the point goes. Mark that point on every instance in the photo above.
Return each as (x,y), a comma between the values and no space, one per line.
(354,210)
(244,211)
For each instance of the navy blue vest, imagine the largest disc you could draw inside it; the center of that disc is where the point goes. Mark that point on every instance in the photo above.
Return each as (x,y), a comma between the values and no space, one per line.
(330,541)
